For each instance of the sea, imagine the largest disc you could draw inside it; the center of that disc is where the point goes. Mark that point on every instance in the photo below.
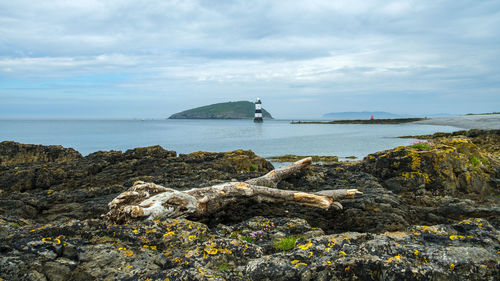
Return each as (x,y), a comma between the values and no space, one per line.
(271,138)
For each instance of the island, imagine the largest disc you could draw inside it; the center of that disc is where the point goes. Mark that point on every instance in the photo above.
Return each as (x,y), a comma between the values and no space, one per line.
(225,110)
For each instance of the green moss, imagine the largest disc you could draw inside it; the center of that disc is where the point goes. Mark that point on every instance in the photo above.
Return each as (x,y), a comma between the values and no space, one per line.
(223,267)
(421,146)
(286,244)
(475,161)
(253,168)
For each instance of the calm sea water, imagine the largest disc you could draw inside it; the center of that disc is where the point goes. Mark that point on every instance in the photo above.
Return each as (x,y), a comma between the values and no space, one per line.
(273,137)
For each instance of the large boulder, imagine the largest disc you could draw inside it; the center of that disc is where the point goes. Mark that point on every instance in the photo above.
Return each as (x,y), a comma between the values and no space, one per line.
(452,167)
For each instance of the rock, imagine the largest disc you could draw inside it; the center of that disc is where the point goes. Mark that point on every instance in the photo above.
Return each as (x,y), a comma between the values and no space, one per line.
(56,271)
(421,253)
(82,188)
(12,153)
(440,227)
(454,167)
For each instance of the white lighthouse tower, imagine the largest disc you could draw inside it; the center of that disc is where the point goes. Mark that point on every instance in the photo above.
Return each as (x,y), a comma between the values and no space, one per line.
(258,112)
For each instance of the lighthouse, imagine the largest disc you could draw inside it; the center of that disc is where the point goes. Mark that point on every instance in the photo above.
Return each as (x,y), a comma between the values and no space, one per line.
(258,112)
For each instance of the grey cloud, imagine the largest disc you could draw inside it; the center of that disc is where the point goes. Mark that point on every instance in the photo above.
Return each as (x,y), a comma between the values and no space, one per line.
(185,51)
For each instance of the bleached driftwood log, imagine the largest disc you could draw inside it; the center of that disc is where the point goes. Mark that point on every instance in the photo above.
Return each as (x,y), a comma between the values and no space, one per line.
(148,201)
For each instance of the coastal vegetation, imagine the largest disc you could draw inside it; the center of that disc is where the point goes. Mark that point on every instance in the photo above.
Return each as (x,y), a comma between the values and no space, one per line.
(286,243)
(421,145)
(225,110)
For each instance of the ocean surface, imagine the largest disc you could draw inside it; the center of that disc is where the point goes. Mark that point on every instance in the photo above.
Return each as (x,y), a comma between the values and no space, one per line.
(271,138)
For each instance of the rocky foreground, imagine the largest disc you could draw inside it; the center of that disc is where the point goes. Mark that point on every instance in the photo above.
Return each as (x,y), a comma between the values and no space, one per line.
(429,211)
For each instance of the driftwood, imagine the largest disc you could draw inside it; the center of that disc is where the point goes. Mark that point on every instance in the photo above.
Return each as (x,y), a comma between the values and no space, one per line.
(148,201)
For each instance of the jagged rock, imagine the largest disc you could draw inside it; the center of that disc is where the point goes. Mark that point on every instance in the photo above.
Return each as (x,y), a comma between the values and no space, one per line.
(455,167)
(82,188)
(401,228)
(12,153)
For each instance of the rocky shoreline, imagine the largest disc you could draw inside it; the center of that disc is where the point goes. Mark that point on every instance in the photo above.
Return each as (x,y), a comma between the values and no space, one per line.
(428,212)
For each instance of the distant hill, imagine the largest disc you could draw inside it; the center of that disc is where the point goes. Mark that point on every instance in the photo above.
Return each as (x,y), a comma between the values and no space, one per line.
(225,110)
(360,115)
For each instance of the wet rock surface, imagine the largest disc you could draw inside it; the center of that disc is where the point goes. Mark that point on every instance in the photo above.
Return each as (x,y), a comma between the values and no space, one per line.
(425,214)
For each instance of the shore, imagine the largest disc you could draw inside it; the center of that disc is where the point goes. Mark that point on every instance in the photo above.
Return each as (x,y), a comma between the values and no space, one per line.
(367,121)
(485,122)
(426,213)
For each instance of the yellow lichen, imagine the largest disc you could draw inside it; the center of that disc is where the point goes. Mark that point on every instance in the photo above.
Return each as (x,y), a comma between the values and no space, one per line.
(391,259)
(211,251)
(305,246)
(47,240)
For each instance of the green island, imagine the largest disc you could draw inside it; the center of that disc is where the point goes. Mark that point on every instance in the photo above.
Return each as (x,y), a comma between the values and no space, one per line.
(225,110)
(367,121)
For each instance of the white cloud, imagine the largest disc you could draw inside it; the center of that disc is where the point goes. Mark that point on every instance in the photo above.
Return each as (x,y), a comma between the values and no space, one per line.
(293,47)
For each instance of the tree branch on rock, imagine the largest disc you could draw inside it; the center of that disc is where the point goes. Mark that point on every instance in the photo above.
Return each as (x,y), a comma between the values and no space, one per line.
(148,201)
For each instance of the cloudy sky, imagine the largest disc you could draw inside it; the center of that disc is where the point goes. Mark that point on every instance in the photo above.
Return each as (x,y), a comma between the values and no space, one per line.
(150,59)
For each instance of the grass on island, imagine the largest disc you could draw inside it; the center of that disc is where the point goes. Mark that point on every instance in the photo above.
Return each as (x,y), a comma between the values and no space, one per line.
(225,110)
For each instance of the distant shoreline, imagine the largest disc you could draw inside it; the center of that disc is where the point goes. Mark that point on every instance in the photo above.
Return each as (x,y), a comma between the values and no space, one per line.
(484,122)
(369,121)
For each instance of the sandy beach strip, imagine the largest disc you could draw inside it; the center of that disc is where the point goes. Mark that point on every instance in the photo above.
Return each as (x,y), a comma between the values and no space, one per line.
(485,122)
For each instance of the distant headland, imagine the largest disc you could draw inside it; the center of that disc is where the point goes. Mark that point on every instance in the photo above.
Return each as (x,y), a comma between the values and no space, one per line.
(225,110)
(367,121)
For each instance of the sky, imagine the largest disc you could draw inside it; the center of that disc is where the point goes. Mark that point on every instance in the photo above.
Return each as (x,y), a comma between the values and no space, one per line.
(149,59)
